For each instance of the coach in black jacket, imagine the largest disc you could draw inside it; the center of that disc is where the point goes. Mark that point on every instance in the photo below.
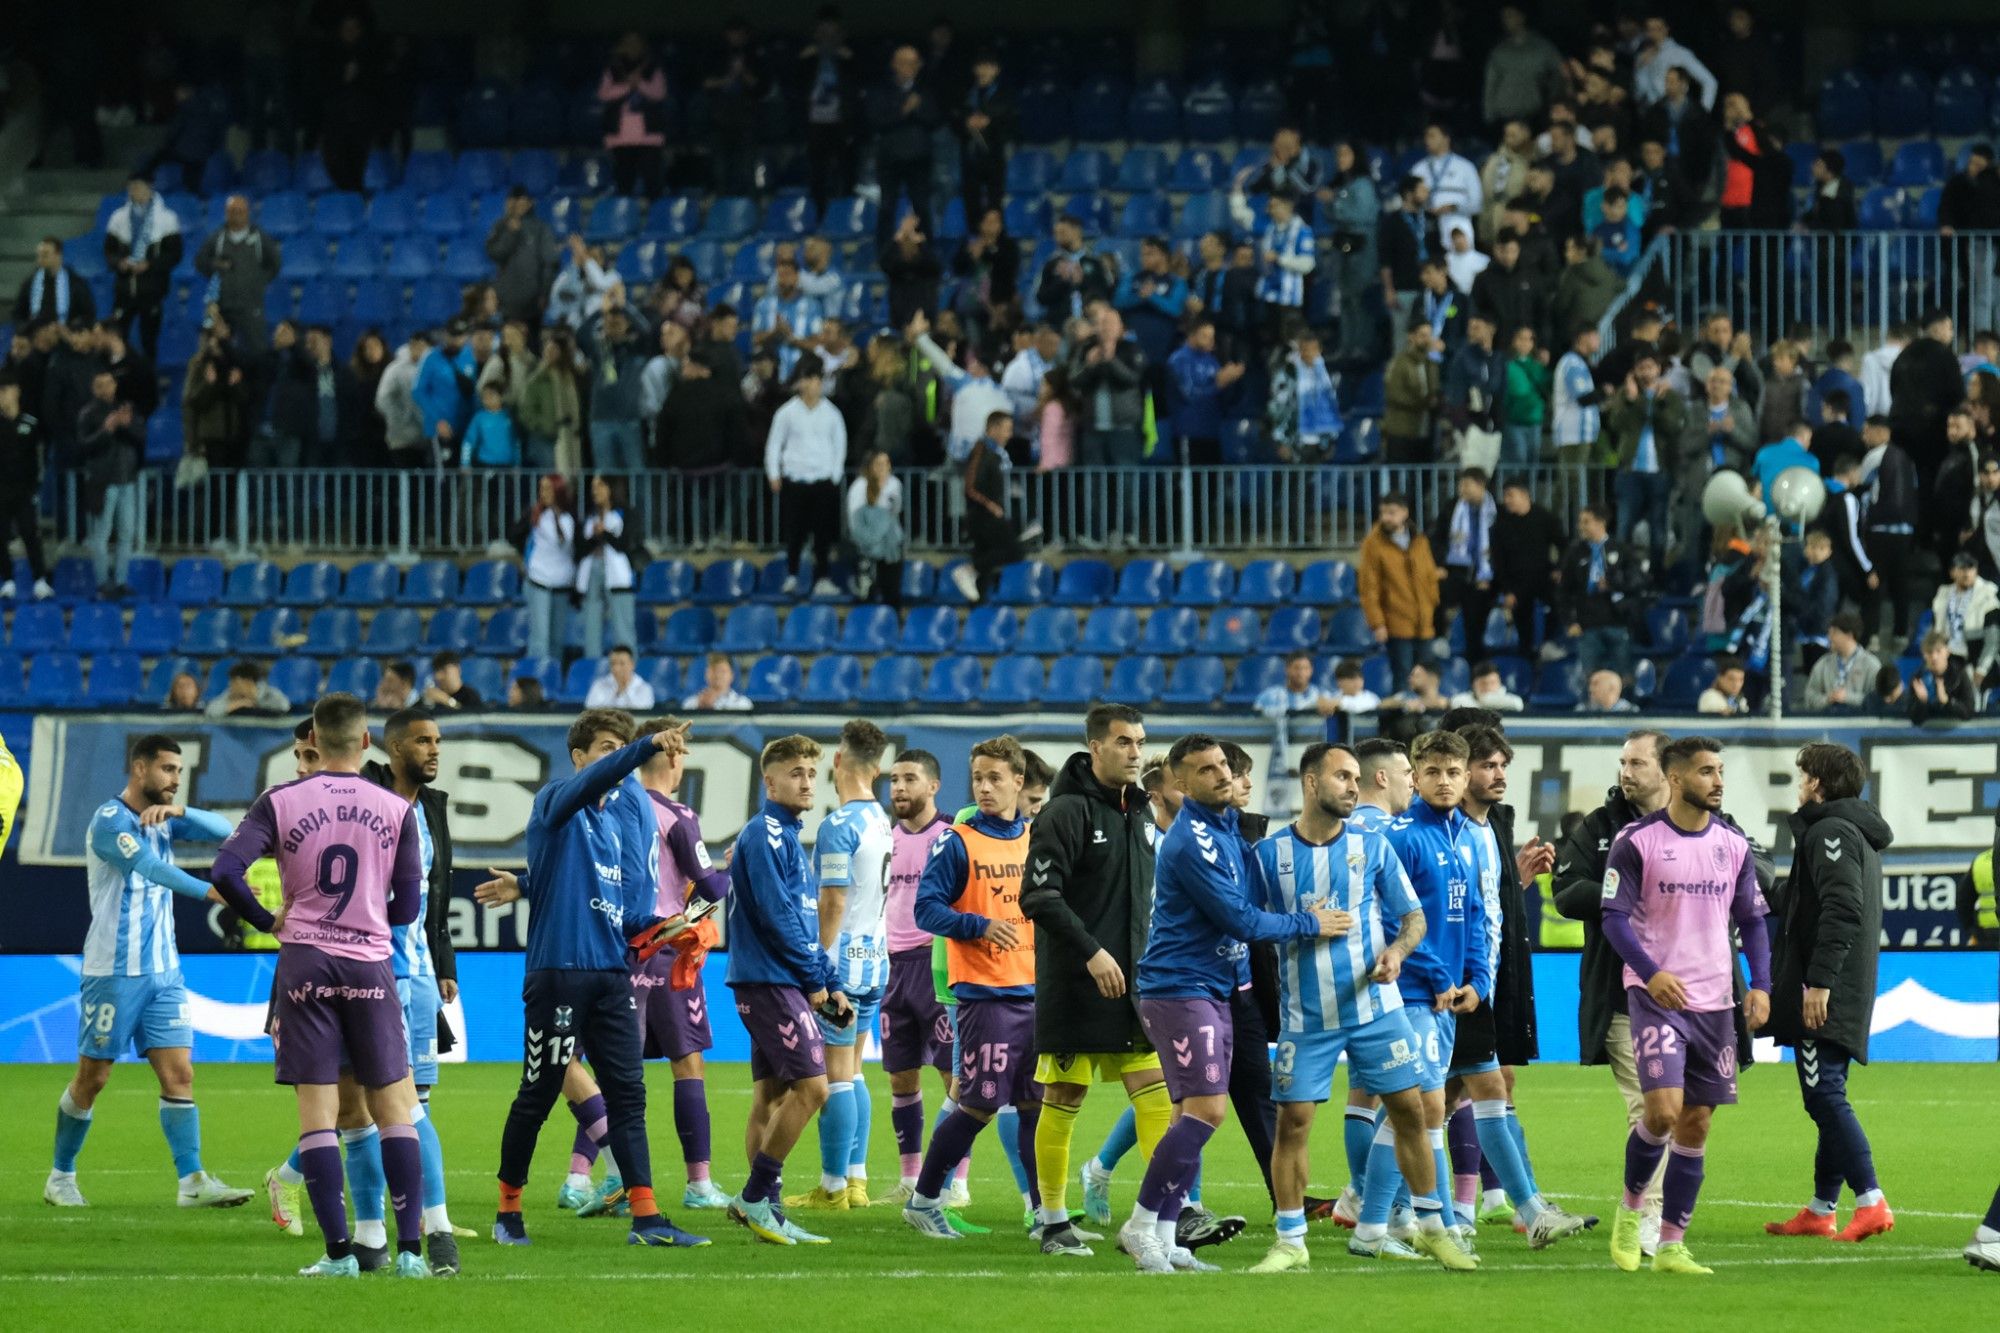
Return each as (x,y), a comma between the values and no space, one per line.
(411,739)
(1825,947)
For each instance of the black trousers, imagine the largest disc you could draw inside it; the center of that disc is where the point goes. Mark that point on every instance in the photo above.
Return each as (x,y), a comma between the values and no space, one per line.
(1473,602)
(639,169)
(1891,553)
(809,509)
(596,1011)
(144,307)
(983,185)
(829,163)
(18,516)
(1250,1082)
(912,178)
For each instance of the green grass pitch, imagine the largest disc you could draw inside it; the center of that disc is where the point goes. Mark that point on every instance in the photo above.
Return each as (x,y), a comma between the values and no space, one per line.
(133,1257)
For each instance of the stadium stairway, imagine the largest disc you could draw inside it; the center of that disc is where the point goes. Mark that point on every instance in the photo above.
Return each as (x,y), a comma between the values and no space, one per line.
(51,202)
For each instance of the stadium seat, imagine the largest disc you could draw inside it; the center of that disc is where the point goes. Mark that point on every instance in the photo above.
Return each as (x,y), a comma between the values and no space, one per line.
(1958,105)
(869,630)
(848,220)
(13,683)
(354,675)
(726,582)
(689,629)
(1014,680)
(614,219)
(831,680)
(1140,171)
(547,670)
(1025,583)
(730,219)
(392,633)
(269,628)
(1645,679)
(1686,678)
(96,627)
(1325,584)
(1558,686)
(1110,631)
(1196,171)
(809,629)
(161,677)
(429,583)
(55,680)
(487,676)
(928,631)
(892,682)
(333,632)
(1048,631)
(1030,171)
(210,633)
(451,629)
(1194,682)
(312,583)
(491,583)
(1881,209)
(666,583)
(1864,162)
(338,213)
(369,584)
(989,631)
(1843,106)
(1917,165)
(1230,632)
(748,629)
(951,681)
(156,629)
(1153,116)
(196,581)
(297,678)
(1144,215)
(1136,680)
(773,680)
(578,679)
(1143,583)
(253,583)
(37,628)
(75,579)
(1902,104)
(506,633)
(1347,631)
(114,681)
(1084,583)
(1291,629)
(1205,583)
(1075,679)
(1208,114)
(392,213)
(1265,583)
(1084,169)
(1666,630)
(1171,631)
(1253,676)
(788,216)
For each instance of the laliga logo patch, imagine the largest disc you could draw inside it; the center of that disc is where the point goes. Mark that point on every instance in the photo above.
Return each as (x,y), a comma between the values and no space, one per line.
(1610,885)
(128,845)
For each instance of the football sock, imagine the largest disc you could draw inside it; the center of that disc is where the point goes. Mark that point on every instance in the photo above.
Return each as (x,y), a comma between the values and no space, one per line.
(964,1168)
(181,1123)
(691,1123)
(1430,1212)
(951,1142)
(1359,1135)
(1521,1143)
(1384,1178)
(763,1182)
(1152,1112)
(1027,1121)
(403,1170)
(1821,1207)
(1643,1151)
(319,1159)
(1496,1144)
(836,1135)
(643,1204)
(1868,1198)
(1466,1161)
(1171,1168)
(1292,1226)
(1124,1136)
(72,1124)
(1992,1219)
(288,1170)
(590,1127)
(431,1150)
(1407,1196)
(1008,1124)
(864,1115)
(510,1198)
(1053,1135)
(1680,1189)
(906,1118)
(364,1172)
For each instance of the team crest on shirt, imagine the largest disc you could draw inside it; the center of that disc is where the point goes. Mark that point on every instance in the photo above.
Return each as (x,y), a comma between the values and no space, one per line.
(990,1089)
(563,1017)
(1654,1069)
(1720,854)
(1214,1073)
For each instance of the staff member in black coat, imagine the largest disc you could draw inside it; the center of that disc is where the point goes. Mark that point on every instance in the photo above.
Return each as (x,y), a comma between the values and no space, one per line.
(1823,961)
(1089,892)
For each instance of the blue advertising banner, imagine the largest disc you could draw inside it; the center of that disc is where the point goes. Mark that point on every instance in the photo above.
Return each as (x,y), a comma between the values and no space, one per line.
(1931,1007)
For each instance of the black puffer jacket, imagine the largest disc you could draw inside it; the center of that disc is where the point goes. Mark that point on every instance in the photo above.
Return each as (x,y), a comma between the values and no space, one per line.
(1089,886)
(1826,928)
(1514,987)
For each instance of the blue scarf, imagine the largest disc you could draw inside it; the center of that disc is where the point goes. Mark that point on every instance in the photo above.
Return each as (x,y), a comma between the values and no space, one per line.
(1319,410)
(38,293)
(142,225)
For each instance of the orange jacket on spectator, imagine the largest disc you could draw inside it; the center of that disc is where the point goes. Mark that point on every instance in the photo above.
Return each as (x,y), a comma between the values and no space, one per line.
(1399,588)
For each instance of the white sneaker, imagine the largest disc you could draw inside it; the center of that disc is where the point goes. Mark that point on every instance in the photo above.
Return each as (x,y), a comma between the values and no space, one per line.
(956,1196)
(1983,1254)
(966,581)
(1554,1224)
(790,585)
(1184,1261)
(61,1191)
(7,591)
(1143,1244)
(1466,1237)
(1649,1233)
(1403,1225)
(205,1191)
(826,588)
(1347,1208)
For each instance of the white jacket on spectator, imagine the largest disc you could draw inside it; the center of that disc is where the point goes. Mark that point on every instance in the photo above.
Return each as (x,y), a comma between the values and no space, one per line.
(806,444)
(551,554)
(578,293)
(972,399)
(617,565)
(1453,180)
(1875,378)
(1966,623)
(604,693)
(396,401)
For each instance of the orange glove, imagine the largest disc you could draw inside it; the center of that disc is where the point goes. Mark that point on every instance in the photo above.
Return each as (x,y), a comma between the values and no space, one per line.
(690,953)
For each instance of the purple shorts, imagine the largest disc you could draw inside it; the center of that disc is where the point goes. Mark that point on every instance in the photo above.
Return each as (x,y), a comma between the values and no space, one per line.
(332,1012)
(784,1034)
(916,1031)
(996,1052)
(1195,1039)
(674,1023)
(1690,1050)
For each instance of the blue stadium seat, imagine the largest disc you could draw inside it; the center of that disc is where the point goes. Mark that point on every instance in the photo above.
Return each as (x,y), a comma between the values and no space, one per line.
(1141,171)
(1083,583)
(1144,215)
(269,628)
(726,582)
(114,680)
(1291,628)
(689,629)
(333,632)
(443,213)
(951,680)
(809,629)
(75,579)
(1917,165)
(673,217)
(1028,216)
(392,213)
(1347,632)
(771,582)
(451,628)
(1014,680)
(338,213)
(392,633)
(55,680)
(1645,679)
(749,629)
(505,634)
(1110,631)
(488,676)
(196,581)
(989,631)
(156,629)
(1196,171)
(944,584)
(1902,104)
(1153,115)
(832,680)
(1048,630)
(614,219)
(547,670)
(852,219)
(1958,106)
(578,679)
(479,171)
(1171,631)
(284,213)
(534,170)
(433,302)
(1844,111)
(1230,632)
(482,117)
(1686,678)
(465,259)
(1084,169)
(1666,630)
(668,677)
(1092,210)
(788,216)
(491,583)
(1558,686)
(1864,162)
(773,680)
(1325,584)
(730,219)
(1205,583)
(1208,115)
(1517,674)
(1076,679)
(297,678)
(1259,111)
(37,628)
(13,688)
(354,675)
(928,631)
(1265,583)
(96,627)
(1253,676)
(414,259)
(210,633)
(893,681)
(1194,682)
(666,583)
(429,583)
(371,583)
(1143,583)
(161,677)
(1881,209)
(1136,680)
(869,630)
(1030,171)
(253,583)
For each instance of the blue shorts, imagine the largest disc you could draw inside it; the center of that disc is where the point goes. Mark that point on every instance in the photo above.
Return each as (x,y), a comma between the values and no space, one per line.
(1383,1056)
(865,1009)
(1436,1031)
(136,1014)
(420,1001)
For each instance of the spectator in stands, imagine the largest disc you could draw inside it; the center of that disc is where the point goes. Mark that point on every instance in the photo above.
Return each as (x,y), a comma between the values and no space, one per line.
(317,406)
(718,692)
(786,321)
(1290,167)
(1981,534)
(1658,55)
(1462,262)
(1574,411)
(21,458)
(975,395)
(1966,610)
(578,290)
(525,257)
(1616,237)
(1971,198)
(524,693)
(550,409)
(1351,214)
(1227,293)
(1721,345)
(805,454)
(1153,300)
(1440,306)
(396,688)
(679,297)
(1507,293)
(994,537)
(986,127)
(912,271)
(1453,182)
(733,87)
(633,92)
(656,382)
(1406,237)
(183,694)
(1840,679)
(1505,173)
(1524,72)
(605,575)
(1527,542)
(1350,689)
(1108,371)
(1486,689)
(198,128)
(247,692)
(1724,696)
(875,529)
(1298,693)
(1074,275)
(348,92)
(1524,403)
(1785,389)
(1475,376)
(1586,287)
(1812,598)
(890,423)
(510,364)
(111,442)
(1604,692)
(1302,409)
(54,293)
(1889,481)
(903,114)
(240,261)
(1201,391)
(75,355)
(1416,707)
(1943,691)
(1461,539)
(1878,396)
(447,688)
(1659,180)
(1685,131)
(1287,256)
(491,439)
(1924,386)
(1398,582)
(142,244)
(442,393)
(1833,209)
(620,686)
(1037,351)
(1600,591)
(1057,411)
(546,536)
(1757,179)
(1412,391)
(1838,377)
(831,97)
(1645,422)
(988,269)
(138,381)
(215,399)
(617,355)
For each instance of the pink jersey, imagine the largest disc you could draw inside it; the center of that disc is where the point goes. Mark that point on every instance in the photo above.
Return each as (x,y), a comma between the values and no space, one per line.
(1680,891)
(683,858)
(906,867)
(345,847)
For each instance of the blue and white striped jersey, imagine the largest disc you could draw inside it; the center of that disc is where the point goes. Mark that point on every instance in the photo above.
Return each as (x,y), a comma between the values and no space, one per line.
(410,946)
(802,314)
(1489,888)
(1323,985)
(853,851)
(132,878)
(1370,819)
(1280,285)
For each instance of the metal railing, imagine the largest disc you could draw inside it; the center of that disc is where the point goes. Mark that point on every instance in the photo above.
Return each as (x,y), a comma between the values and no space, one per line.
(1158,510)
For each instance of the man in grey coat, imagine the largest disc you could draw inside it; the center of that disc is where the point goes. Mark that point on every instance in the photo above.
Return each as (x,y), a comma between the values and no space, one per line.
(524,250)
(240,261)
